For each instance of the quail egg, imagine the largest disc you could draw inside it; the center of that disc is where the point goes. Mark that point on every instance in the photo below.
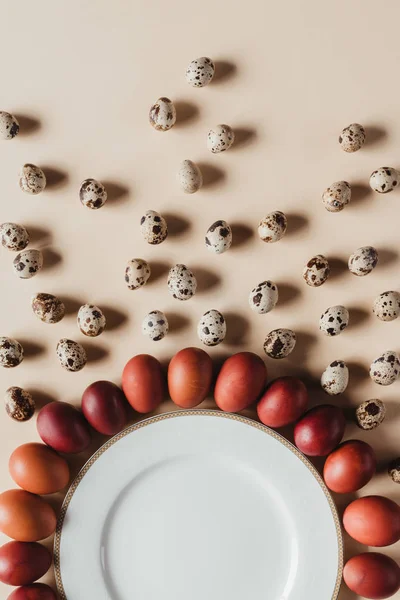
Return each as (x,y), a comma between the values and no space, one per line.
(72,356)
(91,320)
(155,325)
(32,180)
(200,72)
(220,138)
(334,320)
(386,368)
(137,273)
(182,283)
(218,237)
(11,352)
(92,194)
(190,177)
(263,297)
(384,180)
(27,263)
(211,328)
(154,227)
(9,126)
(48,308)
(14,237)
(336,196)
(370,414)
(352,137)
(335,378)
(19,404)
(273,227)
(279,343)
(387,306)
(363,261)
(316,271)
(162,114)
(394,470)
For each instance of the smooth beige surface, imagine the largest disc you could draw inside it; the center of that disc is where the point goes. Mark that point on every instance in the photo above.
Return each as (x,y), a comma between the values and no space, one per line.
(83,76)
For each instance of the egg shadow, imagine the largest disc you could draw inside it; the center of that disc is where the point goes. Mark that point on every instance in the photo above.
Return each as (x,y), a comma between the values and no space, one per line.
(32,349)
(72,305)
(177,322)
(115,318)
(40,397)
(288,293)
(237,329)
(55,178)
(206,280)
(374,134)
(116,192)
(244,136)
(38,236)
(338,267)
(359,193)
(386,257)
(177,225)
(28,124)
(211,175)
(358,374)
(95,352)
(186,112)
(357,316)
(296,223)
(305,341)
(224,71)
(159,270)
(241,234)
(51,258)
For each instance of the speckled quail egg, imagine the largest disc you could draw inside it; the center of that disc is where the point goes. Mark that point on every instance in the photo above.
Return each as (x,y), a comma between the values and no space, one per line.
(137,273)
(220,138)
(387,306)
(211,328)
(335,378)
(189,177)
(279,343)
(11,352)
(155,325)
(384,180)
(9,126)
(316,271)
(334,320)
(200,72)
(263,297)
(14,237)
(162,115)
(48,308)
(370,414)
(363,261)
(218,237)
(182,283)
(92,194)
(19,404)
(394,470)
(91,320)
(273,227)
(386,368)
(27,263)
(32,180)
(352,137)
(154,227)
(72,356)
(336,196)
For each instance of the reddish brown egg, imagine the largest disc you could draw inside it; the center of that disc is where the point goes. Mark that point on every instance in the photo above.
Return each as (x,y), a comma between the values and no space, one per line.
(372,575)
(63,427)
(283,402)
(143,383)
(240,381)
(320,430)
(105,407)
(36,591)
(373,521)
(349,467)
(38,469)
(189,377)
(23,562)
(26,517)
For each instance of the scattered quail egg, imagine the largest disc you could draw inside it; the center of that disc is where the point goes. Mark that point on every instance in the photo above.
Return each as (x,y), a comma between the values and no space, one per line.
(384,180)
(394,470)
(93,194)
(279,343)
(263,297)
(32,180)
(91,320)
(334,320)
(316,271)
(14,237)
(386,368)
(352,137)
(211,328)
(162,114)
(219,237)
(27,263)
(182,283)
(370,414)
(190,177)
(387,306)
(363,261)
(48,308)
(335,378)
(273,227)
(155,325)
(220,138)
(11,352)
(137,273)
(19,404)
(9,126)
(153,227)
(336,196)
(72,356)
(200,72)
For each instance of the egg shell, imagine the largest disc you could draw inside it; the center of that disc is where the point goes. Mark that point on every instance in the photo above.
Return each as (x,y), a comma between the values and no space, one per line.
(335,378)
(48,308)
(35,591)
(14,237)
(105,407)
(137,273)
(19,404)
(384,180)
(26,517)
(91,320)
(92,194)
(9,126)
(189,177)
(370,414)
(182,283)
(387,306)
(336,196)
(372,575)
(363,261)
(62,427)
(212,328)
(386,368)
(273,227)
(320,430)
(190,375)
(283,402)
(22,563)
(334,320)
(11,352)
(155,325)
(38,469)
(240,382)
(218,237)
(279,343)
(263,297)
(27,263)
(72,356)
(143,383)
(162,115)
(394,470)
(373,521)
(352,137)
(153,227)
(349,467)
(32,180)
(200,72)
(316,271)
(220,138)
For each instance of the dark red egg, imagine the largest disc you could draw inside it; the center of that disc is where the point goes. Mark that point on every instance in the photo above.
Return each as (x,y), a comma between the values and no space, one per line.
(373,521)
(320,430)
(372,575)
(36,591)
(189,377)
(63,427)
(23,562)
(105,407)
(349,467)
(283,402)
(240,382)
(143,383)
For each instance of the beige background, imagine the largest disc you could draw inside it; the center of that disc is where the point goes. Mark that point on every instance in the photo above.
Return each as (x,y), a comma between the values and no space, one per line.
(82,75)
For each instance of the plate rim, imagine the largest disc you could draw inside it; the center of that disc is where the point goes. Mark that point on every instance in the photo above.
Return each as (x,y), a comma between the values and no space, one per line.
(185,413)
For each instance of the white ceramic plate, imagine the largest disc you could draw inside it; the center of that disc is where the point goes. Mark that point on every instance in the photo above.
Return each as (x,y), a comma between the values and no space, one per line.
(198,505)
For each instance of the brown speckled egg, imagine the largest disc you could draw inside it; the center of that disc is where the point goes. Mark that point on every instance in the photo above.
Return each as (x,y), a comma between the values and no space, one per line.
(72,356)
(48,308)
(162,115)
(279,343)
(27,263)
(363,261)
(153,227)
(387,306)
(14,237)
(182,283)
(336,196)
(384,180)
(334,320)
(394,470)
(352,138)
(386,368)
(9,126)
(32,180)
(91,320)
(19,404)
(92,194)
(220,138)
(273,227)
(370,414)
(316,271)
(137,273)
(11,352)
